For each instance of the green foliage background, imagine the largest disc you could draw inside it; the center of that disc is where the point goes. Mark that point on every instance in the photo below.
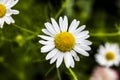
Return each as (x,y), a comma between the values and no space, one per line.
(20,57)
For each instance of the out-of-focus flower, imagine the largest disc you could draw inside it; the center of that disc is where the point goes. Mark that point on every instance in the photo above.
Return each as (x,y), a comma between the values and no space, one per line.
(104,73)
(63,42)
(6,11)
(108,55)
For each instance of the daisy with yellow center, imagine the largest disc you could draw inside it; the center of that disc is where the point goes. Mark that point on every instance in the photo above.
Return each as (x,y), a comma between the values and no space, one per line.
(6,11)
(108,55)
(63,42)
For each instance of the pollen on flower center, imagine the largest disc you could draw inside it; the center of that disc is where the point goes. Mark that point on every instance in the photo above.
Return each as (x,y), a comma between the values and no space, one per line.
(2,10)
(110,55)
(64,41)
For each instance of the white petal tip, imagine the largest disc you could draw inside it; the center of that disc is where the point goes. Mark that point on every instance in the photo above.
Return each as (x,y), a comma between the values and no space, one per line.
(52,19)
(68,66)
(72,66)
(43,51)
(39,35)
(39,41)
(57,66)
(17,12)
(13,22)
(65,16)
(51,62)
(1,27)
(46,58)
(87,55)
(84,26)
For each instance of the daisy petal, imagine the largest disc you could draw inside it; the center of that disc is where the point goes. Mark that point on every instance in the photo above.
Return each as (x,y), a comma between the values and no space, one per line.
(1,23)
(55,25)
(15,12)
(72,62)
(80,29)
(12,20)
(47,32)
(61,23)
(54,58)
(107,46)
(59,60)
(67,59)
(48,48)
(73,53)
(81,51)
(117,63)
(4,1)
(46,37)
(65,24)
(81,37)
(84,47)
(51,54)
(46,42)
(9,20)
(86,42)
(11,11)
(72,25)
(1,1)
(11,3)
(83,33)
(50,28)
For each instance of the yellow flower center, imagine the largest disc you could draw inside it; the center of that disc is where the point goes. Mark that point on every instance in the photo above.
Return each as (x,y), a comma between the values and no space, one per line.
(110,56)
(2,10)
(64,41)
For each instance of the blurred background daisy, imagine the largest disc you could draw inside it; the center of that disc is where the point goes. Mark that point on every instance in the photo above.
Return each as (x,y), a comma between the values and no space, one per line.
(6,11)
(108,55)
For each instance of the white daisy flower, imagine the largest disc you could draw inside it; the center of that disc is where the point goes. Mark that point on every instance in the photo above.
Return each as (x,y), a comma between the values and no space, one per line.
(6,11)
(108,55)
(63,42)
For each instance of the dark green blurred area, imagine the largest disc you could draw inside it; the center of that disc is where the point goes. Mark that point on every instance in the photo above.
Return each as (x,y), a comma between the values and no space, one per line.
(20,57)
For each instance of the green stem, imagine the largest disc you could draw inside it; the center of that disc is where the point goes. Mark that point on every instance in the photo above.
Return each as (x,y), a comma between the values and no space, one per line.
(105,34)
(61,10)
(31,37)
(58,73)
(73,74)
(50,70)
(23,29)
